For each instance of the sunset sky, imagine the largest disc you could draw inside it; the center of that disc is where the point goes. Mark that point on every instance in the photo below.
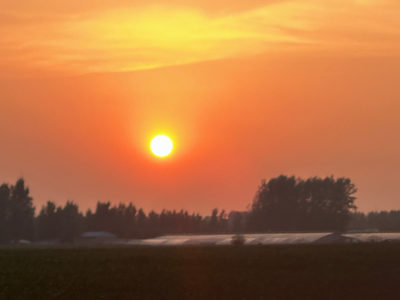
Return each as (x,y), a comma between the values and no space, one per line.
(246,90)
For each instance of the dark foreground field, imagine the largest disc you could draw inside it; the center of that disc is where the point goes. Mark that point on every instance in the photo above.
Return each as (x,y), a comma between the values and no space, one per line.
(362,271)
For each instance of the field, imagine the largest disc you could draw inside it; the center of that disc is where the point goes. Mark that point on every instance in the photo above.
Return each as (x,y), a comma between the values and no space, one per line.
(357,271)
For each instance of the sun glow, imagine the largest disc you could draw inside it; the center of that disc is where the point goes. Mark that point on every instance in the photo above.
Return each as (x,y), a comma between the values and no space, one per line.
(161,145)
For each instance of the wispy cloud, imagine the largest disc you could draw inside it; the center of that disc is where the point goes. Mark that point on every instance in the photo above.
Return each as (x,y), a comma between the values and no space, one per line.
(158,35)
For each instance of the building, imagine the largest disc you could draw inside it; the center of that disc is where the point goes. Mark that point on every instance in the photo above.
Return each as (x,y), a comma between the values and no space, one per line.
(96,238)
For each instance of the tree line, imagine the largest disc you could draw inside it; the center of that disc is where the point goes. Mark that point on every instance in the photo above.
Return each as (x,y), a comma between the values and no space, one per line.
(281,204)
(16,212)
(384,221)
(293,204)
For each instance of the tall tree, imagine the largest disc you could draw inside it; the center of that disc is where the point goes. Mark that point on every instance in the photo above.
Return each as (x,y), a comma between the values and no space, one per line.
(21,212)
(329,203)
(236,221)
(48,225)
(71,222)
(223,221)
(214,220)
(102,217)
(4,202)
(276,205)
(130,220)
(290,204)
(141,223)
(154,229)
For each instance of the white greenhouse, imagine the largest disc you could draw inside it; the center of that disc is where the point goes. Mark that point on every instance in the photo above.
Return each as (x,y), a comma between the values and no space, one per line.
(249,239)
(376,236)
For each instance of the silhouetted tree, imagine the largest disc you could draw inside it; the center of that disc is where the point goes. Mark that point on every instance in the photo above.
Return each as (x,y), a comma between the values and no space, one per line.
(238,240)
(48,223)
(282,204)
(196,223)
(124,220)
(89,221)
(358,221)
(4,202)
(329,203)
(130,220)
(236,221)
(153,224)
(71,222)
(383,221)
(290,204)
(102,217)
(141,223)
(214,220)
(21,212)
(222,221)
(276,206)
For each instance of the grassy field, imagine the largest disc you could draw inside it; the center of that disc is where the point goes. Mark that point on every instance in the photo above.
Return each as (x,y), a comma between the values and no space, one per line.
(361,271)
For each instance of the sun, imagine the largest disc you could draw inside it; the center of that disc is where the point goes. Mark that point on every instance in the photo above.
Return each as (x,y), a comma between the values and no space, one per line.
(161,145)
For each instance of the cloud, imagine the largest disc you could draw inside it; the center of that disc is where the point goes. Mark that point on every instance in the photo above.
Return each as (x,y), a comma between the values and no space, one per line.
(142,37)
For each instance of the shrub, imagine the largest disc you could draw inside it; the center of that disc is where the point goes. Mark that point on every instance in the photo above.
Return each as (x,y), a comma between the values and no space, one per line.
(238,239)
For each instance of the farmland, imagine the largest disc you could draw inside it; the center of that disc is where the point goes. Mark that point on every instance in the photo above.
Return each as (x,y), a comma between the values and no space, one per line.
(356,271)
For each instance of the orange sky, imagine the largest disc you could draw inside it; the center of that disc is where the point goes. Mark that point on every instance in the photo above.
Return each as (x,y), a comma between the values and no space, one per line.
(246,90)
